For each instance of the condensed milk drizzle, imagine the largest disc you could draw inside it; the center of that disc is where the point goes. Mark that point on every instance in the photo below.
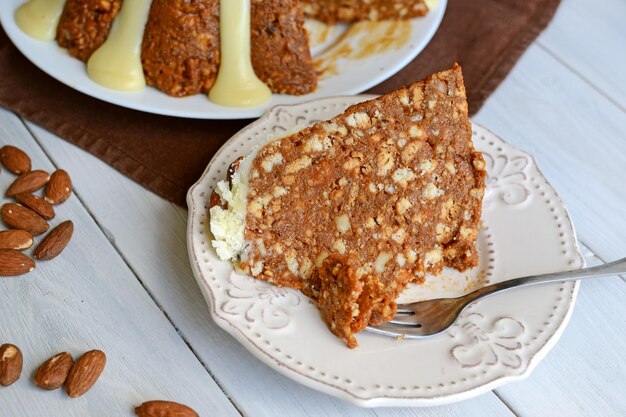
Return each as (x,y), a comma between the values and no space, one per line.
(237,85)
(39,18)
(117,63)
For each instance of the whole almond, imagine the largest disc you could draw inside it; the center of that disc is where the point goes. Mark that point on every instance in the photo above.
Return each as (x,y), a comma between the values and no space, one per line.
(54,243)
(59,188)
(15,159)
(19,217)
(53,372)
(28,182)
(15,239)
(164,409)
(10,364)
(36,204)
(13,263)
(85,373)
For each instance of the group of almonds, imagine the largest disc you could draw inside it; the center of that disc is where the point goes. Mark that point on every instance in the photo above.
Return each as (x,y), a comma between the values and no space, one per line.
(58,370)
(29,217)
(30,214)
(78,378)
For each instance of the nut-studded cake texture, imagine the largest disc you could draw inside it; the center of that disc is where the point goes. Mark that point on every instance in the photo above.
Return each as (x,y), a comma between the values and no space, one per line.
(180,50)
(281,56)
(388,191)
(346,300)
(85,24)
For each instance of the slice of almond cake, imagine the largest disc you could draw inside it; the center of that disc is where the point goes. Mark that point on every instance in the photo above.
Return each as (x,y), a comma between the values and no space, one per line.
(387,191)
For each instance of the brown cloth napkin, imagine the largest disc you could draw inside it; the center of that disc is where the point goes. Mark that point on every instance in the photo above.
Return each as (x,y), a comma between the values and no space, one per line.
(167,155)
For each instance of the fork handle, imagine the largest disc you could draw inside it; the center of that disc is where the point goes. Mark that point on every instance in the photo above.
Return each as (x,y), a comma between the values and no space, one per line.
(612,268)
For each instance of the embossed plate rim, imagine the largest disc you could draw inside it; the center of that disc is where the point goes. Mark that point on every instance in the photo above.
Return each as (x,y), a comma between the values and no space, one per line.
(345,388)
(57,63)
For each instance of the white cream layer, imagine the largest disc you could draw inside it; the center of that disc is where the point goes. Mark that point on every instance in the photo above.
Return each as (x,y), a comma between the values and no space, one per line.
(228,225)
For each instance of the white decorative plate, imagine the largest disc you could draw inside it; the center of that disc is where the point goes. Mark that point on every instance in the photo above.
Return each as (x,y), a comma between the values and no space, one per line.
(353,58)
(527,230)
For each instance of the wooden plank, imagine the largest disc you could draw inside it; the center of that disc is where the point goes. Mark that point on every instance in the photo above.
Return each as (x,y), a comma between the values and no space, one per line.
(577,137)
(151,235)
(575,134)
(88,298)
(590,37)
(585,373)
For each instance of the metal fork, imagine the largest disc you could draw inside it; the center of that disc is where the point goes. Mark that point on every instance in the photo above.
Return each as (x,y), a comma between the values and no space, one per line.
(430,317)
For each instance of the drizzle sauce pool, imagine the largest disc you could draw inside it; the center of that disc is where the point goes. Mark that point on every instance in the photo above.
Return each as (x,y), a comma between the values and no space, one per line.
(364,39)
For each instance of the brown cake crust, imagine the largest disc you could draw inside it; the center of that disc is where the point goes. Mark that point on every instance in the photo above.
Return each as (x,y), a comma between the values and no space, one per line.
(180,51)
(346,11)
(85,24)
(281,56)
(394,182)
(346,301)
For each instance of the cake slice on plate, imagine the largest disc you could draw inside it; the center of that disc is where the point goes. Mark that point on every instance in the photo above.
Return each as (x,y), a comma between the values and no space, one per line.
(353,209)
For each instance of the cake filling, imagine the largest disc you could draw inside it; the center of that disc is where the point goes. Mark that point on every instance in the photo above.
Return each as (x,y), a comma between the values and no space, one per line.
(228,219)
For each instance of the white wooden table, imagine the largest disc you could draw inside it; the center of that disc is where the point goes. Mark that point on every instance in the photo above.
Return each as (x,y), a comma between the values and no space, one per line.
(125,284)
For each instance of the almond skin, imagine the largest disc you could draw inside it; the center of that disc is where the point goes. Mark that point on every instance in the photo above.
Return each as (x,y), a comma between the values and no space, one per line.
(232,170)
(53,372)
(54,243)
(28,182)
(10,364)
(13,263)
(85,373)
(59,188)
(15,159)
(15,239)
(36,204)
(216,200)
(164,409)
(19,217)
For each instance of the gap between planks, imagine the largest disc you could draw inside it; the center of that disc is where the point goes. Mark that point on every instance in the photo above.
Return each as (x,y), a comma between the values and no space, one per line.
(593,254)
(111,239)
(584,79)
(506,403)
